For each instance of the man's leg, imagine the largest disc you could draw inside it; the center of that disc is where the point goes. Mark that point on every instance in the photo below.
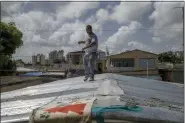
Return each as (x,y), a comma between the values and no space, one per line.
(86,67)
(92,59)
(95,65)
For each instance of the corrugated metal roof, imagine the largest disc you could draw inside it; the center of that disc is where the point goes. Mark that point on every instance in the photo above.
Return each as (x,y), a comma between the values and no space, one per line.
(17,105)
(76,52)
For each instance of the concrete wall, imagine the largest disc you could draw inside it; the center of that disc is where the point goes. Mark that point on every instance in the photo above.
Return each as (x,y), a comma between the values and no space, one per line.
(74,57)
(165,65)
(117,69)
(61,66)
(178,76)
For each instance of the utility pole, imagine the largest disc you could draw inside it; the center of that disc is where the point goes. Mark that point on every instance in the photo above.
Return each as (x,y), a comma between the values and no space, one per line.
(147,68)
(183,24)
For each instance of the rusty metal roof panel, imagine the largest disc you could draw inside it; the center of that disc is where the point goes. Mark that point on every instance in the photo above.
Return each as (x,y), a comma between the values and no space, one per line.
(17,105)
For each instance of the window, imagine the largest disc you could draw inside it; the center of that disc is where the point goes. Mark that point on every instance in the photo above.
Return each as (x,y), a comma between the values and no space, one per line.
(123,62)
(147,62)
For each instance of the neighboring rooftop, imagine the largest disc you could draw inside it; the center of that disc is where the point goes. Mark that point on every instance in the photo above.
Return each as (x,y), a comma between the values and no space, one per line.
(22,69)
(136,50)
(77,52)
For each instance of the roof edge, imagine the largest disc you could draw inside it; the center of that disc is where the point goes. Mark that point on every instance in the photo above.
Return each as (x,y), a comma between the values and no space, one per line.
(133,51)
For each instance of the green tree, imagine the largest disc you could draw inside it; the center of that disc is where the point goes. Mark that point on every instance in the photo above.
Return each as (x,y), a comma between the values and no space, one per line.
(170,57)
(10,40)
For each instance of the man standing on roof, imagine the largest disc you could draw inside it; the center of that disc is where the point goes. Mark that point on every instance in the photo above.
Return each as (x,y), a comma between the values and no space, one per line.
(91,46)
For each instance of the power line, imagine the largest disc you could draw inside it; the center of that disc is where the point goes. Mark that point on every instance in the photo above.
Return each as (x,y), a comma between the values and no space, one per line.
(183,24)
(44,30)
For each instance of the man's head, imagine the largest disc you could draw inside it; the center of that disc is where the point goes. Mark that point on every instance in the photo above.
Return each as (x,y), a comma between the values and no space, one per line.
(89,29)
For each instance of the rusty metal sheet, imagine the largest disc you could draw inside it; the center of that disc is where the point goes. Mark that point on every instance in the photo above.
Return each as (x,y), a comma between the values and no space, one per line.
(17,105)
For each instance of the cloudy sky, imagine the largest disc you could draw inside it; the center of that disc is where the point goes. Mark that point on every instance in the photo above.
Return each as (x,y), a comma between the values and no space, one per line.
(47,26)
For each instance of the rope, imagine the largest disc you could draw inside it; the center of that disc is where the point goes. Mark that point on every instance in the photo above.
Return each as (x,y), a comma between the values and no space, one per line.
(78,68)
(81,61)
(35,110)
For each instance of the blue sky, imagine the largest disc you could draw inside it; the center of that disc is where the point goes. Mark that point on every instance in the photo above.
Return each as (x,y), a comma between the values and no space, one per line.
(46,26)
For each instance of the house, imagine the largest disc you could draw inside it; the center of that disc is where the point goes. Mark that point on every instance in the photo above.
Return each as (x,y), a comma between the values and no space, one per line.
(76,58)
(19,63)
(135,60)
(101,61)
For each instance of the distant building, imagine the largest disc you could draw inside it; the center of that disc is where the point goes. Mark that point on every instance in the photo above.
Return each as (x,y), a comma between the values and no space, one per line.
(60,54)
(38,59)
(62,66)
(34,59)
(42,59)
(56,55)
(47,62)
(135,60)
(101,55)
(101,58)
(52,56)
(19,63)
(75,57)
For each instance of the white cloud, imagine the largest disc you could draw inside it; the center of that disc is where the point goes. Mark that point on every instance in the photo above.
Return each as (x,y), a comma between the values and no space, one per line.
(44,31)
(138,45)
(75,10)
(36,24)
(156,39)
(117,40)
(90,20)
(102,15)
(176,47)
(167,21)
(130,11)
(161,11)
(69,34)
(97,21)
(11,7)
